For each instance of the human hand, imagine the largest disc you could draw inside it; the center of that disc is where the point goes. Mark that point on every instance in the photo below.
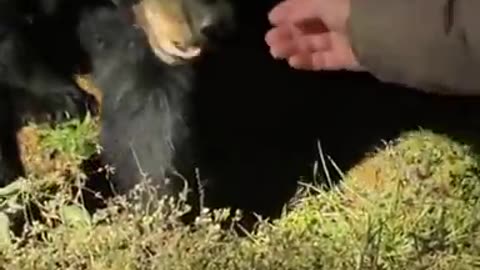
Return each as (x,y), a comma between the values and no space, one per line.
(312,34)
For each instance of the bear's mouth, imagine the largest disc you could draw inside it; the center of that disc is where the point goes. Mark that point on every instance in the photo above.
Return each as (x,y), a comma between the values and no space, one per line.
(158,31)
(177,51)
(171,54)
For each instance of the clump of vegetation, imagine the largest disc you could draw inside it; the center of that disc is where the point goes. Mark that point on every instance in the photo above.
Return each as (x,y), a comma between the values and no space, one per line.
(53,180)
(412,205)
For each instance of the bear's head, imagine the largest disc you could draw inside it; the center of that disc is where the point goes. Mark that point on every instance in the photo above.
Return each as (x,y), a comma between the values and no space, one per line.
(180,30)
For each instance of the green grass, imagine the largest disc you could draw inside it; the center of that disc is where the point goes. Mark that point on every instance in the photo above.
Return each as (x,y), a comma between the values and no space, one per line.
(412,205)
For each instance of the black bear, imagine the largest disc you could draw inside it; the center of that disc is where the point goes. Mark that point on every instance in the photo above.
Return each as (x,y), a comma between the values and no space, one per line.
(31,89)
(141,59)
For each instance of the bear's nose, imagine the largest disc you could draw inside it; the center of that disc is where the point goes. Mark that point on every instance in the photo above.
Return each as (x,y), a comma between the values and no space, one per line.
(208,26)
(213,27)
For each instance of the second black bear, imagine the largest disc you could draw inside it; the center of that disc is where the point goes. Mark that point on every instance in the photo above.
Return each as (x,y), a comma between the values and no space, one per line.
(30,88)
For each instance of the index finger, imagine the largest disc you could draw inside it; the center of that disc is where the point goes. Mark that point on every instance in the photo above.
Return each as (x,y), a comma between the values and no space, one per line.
(279,13)
(294,11)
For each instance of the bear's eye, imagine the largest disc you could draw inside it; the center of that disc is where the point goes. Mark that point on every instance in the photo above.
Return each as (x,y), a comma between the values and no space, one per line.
(131,44)
(99,41)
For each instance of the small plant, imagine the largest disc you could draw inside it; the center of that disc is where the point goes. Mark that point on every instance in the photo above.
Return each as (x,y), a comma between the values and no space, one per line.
(75,138)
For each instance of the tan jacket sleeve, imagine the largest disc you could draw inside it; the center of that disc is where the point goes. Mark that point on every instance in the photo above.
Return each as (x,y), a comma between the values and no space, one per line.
(429,44)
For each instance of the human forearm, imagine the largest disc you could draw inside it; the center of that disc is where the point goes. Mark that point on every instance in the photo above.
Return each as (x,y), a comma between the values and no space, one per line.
(429,44)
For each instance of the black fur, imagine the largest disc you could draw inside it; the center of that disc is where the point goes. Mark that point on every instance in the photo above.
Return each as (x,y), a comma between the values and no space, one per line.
(145,102)
(10,163)
(147,125)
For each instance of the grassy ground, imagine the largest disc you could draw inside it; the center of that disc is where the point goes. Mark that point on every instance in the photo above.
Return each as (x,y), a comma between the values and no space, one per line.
(412,205)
